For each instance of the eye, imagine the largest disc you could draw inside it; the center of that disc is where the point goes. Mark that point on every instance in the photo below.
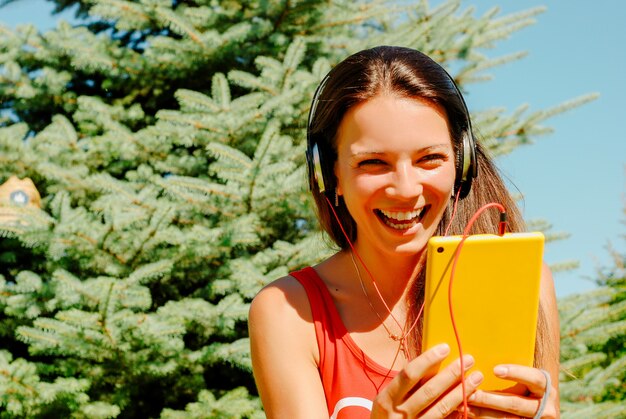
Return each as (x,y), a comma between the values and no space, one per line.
(434,156)
(371,162)
(433,160)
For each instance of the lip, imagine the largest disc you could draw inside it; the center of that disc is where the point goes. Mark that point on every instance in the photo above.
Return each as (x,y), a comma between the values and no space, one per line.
(401,225)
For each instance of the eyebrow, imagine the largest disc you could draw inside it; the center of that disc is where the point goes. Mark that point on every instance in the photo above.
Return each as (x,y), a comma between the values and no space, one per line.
(381,153)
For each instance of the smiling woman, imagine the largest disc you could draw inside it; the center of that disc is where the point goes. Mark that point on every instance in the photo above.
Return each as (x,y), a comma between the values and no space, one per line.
(391,156)
(395,172)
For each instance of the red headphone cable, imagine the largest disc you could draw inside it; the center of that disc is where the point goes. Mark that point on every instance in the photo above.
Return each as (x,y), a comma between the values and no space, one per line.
(404,334)
(468,227)
(457,253)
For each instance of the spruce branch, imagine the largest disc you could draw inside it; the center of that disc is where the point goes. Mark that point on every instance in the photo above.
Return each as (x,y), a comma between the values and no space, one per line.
(167,140)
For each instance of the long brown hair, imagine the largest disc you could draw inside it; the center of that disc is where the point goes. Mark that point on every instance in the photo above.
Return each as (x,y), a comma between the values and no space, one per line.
(405,73)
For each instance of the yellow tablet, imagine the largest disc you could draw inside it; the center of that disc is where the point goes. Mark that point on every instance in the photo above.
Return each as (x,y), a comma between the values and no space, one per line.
(495,299)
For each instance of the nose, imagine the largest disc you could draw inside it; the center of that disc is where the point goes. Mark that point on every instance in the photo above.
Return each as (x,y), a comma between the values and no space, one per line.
(405,182)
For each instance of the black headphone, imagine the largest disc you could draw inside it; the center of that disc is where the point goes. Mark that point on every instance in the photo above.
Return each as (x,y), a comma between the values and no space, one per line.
(466,166)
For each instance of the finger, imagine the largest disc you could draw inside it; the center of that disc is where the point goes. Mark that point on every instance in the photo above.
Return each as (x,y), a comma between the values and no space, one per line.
(504,402)
(449,403)
(407,379)
(532,378)
(440,383)
(437,386)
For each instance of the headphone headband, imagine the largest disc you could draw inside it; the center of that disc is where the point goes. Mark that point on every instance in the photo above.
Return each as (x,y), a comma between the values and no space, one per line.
(466,166)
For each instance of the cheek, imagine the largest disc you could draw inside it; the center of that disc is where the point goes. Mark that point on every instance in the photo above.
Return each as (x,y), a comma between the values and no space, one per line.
(353,184)
(354,190)
(441,182)
(365,188)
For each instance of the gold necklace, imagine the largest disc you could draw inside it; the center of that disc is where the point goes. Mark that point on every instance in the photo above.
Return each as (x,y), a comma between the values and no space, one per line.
(402,338)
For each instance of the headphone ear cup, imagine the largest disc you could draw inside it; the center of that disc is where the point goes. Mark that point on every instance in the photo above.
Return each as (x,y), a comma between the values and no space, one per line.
(472,170)
(458,165)
(318,174)
(314,160)
(466,167)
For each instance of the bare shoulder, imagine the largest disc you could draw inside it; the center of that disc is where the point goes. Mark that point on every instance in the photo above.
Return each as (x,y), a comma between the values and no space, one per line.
(281,312)
(284,351)
(283,297)
(280,316)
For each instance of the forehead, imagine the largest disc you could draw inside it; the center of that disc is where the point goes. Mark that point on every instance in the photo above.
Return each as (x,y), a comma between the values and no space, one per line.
(388,123)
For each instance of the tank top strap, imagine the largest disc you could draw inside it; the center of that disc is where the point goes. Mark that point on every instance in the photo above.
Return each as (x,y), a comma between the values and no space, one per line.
(347,373)
(329,327)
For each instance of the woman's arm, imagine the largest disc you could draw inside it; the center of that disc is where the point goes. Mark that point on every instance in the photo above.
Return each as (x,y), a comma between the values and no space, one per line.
(284,352)
(499,404)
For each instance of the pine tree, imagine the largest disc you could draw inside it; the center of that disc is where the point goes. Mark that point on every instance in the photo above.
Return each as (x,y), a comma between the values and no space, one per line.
(593,347)
(166,139)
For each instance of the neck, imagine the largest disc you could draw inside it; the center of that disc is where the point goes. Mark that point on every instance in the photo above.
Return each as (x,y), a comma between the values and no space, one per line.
(392,274)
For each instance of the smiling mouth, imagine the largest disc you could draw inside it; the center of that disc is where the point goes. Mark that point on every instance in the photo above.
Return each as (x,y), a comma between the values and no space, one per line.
(402,220)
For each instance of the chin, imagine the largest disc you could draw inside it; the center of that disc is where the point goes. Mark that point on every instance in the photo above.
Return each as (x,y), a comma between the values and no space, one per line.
(409,249)
(404,248)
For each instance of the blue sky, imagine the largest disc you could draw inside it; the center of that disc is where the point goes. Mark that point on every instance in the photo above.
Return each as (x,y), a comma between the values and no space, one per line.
(576,177)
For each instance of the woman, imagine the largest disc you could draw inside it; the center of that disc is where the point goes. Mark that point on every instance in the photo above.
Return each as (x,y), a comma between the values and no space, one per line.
(391,138)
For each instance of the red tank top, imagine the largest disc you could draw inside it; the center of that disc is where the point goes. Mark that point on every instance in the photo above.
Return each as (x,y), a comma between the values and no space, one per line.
(350,378)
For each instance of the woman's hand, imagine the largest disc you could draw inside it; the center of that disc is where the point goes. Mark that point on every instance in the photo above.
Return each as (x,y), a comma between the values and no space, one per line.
(438,397)
(523,401)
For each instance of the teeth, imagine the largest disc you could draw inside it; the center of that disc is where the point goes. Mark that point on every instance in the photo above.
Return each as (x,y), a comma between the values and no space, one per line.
(401,216)
(402,220)
(399,226)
